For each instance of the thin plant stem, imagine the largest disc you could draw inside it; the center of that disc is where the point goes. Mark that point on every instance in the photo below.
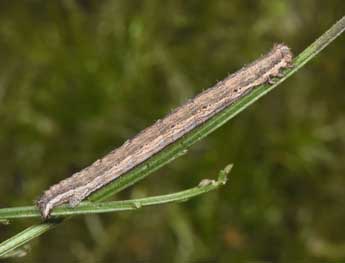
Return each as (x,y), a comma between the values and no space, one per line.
(180,147)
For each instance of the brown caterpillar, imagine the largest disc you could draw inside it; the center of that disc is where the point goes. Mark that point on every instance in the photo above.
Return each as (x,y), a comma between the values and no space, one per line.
(166,131)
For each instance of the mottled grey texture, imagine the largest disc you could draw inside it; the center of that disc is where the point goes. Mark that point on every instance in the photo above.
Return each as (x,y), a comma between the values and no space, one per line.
(166,131)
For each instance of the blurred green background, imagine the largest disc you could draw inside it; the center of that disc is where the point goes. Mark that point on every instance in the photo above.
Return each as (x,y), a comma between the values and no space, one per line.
(77,78)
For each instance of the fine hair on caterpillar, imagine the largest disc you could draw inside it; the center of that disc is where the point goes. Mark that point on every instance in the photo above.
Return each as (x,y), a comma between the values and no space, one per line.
(166,131)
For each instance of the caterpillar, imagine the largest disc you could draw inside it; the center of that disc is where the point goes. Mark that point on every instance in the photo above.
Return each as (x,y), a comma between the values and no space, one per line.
(164,132)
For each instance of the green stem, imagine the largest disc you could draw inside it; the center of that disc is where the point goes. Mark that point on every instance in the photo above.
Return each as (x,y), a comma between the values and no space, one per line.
(115,206)
(88,208)
(178,148)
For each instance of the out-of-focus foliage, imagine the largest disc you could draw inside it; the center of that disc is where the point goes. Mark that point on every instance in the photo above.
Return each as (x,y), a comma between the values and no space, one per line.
(77,78)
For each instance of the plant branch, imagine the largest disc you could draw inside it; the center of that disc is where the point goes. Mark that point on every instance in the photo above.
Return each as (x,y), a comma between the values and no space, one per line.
(180,147)
(89,208)
(115,206)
